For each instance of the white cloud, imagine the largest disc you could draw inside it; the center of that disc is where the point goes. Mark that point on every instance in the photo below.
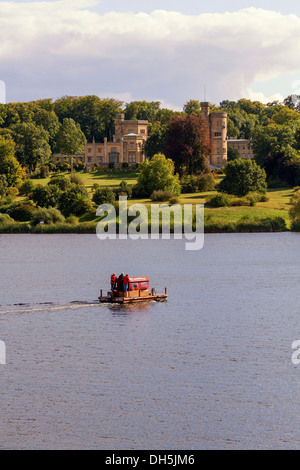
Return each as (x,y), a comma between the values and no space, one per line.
(53,48)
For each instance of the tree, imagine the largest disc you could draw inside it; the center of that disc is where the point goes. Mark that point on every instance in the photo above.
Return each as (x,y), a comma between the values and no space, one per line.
(32,144)
(232,154)
(70,138)
(275,150)
(156,142)
(192,107)
(9,165)
(157,174)
(243,176)
(143,110)
(103,196)
(188,144)
(74,200)
(3,185)
(46,196)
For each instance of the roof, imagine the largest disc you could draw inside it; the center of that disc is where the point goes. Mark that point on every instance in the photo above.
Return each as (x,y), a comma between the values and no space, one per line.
(132,135)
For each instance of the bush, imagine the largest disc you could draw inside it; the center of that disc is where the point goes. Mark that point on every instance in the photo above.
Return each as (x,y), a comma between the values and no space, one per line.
(123,190)
(243,176)
(46,196)
(26,188)
(3,185)
(12,192)
(74,201)
(174,200)
(22,212)
(240,201)
(161,195)
(74,178)
(6,219)
(60,181)
(72,219)
(219,200)
(48,216)
(103,196)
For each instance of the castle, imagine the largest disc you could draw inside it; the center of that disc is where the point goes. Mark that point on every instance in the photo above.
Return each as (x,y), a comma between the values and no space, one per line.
(217,124)
(127,146)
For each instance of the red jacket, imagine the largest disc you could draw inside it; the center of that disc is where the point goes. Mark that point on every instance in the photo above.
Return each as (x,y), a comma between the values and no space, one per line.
(113,279)
(126,280)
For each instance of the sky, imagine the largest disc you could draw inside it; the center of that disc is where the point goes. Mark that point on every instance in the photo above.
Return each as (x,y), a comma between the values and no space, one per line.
(156,50)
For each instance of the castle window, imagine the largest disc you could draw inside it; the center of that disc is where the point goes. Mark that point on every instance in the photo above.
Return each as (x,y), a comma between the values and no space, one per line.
(99,159)
(218,134)
(89,159)
(131,157)
(99,150)
(131,144)
(89,150)
(142,131)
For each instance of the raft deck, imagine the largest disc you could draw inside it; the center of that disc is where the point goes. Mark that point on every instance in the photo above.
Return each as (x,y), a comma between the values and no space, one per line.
(138,291)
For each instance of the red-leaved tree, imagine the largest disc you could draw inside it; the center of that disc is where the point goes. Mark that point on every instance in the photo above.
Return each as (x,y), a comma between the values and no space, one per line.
(188,144)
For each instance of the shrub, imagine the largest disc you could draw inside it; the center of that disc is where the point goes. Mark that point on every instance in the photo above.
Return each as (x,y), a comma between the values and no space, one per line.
(22,212)
(243,176)
(60,181)
(46,196)
(123,189)
(219,200)
(3,185)
(6,219)
(206,182)
(240,201)
(74,178)
(12,191)
(48,216)
(103,196)
(74,201)
(26,188)
(174,200)
(161,195)
(72,219)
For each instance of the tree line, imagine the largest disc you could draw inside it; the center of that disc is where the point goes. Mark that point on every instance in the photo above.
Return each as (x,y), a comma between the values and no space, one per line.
(30,132)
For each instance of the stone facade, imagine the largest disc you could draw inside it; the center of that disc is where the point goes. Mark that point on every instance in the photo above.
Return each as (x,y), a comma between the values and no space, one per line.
(217,123)
(127,146)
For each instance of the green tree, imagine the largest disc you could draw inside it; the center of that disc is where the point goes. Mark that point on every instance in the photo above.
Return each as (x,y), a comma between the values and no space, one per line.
(9,165)
(46,196)
(157,136)
(103,196)
(32,144)
(243,176)
(157,174)
(143,110)
(192,107)
(3,185)
(74,201)
(70,138)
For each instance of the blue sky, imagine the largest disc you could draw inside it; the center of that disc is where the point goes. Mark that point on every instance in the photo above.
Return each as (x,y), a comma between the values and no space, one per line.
(131,51)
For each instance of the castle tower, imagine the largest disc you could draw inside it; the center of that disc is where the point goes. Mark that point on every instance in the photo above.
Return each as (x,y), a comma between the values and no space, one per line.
(118,127)
(218,134)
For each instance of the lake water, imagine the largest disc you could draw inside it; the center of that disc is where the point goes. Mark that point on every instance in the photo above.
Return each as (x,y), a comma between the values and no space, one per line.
(208,369)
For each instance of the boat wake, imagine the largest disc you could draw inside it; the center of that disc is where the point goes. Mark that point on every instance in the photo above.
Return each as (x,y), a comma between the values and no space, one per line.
(45,306)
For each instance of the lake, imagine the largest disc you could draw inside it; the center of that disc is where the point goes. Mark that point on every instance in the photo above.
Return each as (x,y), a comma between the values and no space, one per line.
(210,368)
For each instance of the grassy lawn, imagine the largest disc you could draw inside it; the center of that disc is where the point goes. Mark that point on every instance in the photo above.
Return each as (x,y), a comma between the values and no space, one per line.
(277,205)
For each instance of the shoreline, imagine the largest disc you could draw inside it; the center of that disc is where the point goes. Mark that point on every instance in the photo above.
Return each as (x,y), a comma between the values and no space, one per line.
(276,224)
